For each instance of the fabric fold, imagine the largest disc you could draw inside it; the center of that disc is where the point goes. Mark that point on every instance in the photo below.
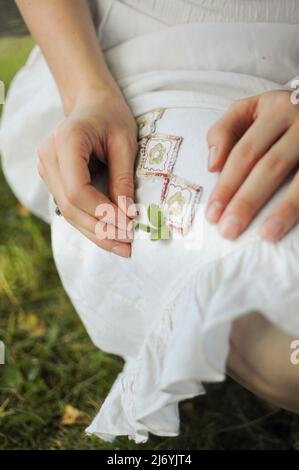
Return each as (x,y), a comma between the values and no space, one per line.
(186,349)
(168,311)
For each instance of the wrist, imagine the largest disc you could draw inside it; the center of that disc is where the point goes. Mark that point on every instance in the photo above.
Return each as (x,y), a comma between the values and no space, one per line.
(89,93)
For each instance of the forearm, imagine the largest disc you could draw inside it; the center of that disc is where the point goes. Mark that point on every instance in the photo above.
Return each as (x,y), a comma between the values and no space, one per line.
(65,32)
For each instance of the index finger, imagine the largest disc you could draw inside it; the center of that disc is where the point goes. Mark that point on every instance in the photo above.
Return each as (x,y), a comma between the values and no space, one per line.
(73,158)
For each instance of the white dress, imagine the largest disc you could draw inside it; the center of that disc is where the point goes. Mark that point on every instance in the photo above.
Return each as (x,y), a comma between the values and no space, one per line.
(168,310)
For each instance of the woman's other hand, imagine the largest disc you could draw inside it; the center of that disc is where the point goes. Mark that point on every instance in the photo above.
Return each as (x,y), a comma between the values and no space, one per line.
(255,146)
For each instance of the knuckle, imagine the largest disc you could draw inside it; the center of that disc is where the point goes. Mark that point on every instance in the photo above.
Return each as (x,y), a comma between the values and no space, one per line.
(218,132)
(122,137)
(65,132)
(244,207)
(125,180)
(72,195)
(276,165)
(292,209)
(223,191)
(282,101)
(118,135)
(283,105)
(248,150)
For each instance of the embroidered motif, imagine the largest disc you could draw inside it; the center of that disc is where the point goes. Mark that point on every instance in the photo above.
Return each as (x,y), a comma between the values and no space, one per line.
(158,154)
(157,157)
(178,201)
(157,226)
(147,122)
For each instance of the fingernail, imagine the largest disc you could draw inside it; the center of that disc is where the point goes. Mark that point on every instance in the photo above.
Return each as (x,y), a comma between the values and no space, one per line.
(120,250)
(213,154)
(131,208)
(214,211)
(127,205)
(273,228)
(230,227)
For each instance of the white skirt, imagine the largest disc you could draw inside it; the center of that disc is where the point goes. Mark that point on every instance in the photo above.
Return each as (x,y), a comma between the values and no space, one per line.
(168,310)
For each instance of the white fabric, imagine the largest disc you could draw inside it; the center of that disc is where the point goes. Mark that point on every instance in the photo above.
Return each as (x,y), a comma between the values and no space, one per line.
(125,19)
(168,310)
(184,11)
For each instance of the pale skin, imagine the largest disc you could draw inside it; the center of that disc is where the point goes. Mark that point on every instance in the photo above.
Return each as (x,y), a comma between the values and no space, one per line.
(254,146)
(97,120)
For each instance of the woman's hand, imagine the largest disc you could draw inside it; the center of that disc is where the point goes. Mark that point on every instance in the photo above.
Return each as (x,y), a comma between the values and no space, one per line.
(98,122)
(101,124)
(256,147)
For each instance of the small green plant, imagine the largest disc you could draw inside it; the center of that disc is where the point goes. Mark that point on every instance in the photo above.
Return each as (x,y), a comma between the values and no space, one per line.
(157,224)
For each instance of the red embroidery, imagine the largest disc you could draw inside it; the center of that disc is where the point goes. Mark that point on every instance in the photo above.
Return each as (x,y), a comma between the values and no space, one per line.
(147,122)
(178,201)
(157,157)
(158,154)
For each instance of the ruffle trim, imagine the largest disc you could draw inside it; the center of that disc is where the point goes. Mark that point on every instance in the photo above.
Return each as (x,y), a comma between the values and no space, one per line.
(190,347)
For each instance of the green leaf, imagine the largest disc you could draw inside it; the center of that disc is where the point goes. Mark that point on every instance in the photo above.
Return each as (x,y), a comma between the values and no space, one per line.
(155,235)
(165,232)
(140,226)
(145,228)
(136,224)
(155,215)
(158,228)
(162,233)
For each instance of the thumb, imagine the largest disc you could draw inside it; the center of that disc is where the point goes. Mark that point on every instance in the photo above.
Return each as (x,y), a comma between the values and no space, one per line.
(122,151)
(226,132)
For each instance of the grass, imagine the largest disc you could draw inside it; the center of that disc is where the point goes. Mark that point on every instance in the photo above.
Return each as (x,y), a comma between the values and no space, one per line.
(12,54)
(52,364)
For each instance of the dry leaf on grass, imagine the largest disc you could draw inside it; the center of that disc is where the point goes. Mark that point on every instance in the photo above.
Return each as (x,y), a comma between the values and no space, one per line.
(73,416)
(30,323)
(22,210)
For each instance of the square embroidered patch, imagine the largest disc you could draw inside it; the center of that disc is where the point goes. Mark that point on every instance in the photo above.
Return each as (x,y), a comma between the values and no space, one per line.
(147,122)
(179,200)
(158,154)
